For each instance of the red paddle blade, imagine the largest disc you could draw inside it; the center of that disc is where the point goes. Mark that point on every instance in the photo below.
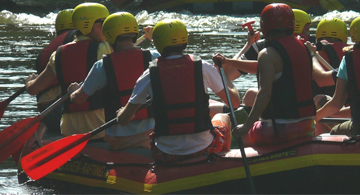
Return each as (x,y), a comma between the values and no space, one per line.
(50,157)
(14,137)
(3,106)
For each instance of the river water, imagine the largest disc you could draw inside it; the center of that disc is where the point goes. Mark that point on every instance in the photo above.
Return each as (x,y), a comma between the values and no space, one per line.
(22,36)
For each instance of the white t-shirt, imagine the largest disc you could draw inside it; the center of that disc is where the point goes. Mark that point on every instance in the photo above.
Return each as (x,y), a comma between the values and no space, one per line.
(180,144)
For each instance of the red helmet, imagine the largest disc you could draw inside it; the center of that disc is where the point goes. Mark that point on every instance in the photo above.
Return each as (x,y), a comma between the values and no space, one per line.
(276,16)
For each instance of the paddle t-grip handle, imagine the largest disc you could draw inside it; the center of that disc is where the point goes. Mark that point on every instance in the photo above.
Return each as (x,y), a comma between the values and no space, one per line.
(248,24)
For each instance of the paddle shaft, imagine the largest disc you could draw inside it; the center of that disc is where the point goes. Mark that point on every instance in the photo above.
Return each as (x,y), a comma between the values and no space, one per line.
(233,118)
(334,120)
(324,62)
(140,40)
(16,94)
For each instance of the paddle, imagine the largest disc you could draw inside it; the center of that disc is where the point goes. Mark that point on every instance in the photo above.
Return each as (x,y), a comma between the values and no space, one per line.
(323,61)
(4,104)
(140,40)
(233,118)
(248,24)
(51,156)
(335,120)
(14,137)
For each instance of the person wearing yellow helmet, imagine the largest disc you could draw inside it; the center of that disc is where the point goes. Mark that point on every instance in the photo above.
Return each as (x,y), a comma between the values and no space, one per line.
(177,84)
(71,63)
(302,25)
(115,75)
(331,36)
(65,33)
(347,84)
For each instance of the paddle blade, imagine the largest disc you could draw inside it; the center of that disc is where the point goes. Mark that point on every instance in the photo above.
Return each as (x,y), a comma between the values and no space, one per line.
(14,137)
(52,156)
(3,106)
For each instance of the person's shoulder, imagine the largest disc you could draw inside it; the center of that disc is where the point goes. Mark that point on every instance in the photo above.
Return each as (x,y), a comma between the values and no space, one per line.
(261,43)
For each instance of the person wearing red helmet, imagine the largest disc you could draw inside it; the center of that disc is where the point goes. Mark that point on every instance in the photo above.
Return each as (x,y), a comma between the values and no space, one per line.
(284,103)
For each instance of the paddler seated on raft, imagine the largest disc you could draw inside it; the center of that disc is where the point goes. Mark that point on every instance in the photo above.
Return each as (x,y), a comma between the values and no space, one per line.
(71,63)
(284,103)
(245,61)
(64,34)
(116,75)
(347,84)
(177,84)
(331,36)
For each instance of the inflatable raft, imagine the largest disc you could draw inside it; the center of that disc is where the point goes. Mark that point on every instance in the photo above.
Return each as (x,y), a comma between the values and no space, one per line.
(323,164)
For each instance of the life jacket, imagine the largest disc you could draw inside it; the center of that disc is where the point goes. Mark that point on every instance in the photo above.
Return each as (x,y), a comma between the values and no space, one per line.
(73,62)
(352,60)
(43,57)
(291,96)
(181,105)
(333,52)
(122,70)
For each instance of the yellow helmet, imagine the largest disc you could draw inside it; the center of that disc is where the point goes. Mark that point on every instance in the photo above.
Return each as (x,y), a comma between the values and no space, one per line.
(64,20)
(301,19)
(355,30)
(118,24)
(335,28)
(169,32)
(85,15)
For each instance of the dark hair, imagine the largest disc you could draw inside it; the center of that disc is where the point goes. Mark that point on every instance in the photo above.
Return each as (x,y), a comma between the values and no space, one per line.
(173,49)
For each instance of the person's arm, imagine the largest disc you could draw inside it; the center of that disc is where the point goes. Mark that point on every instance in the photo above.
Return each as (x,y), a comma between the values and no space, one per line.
(266,65)
(78,95)
(322,78)
(231,66)
(336,103)
(233,92)
(251,39)
(126,113)
(344,112)
(35,85)
(249,66)
(94,81)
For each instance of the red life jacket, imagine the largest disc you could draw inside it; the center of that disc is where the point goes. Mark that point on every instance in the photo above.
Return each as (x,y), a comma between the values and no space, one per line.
(353,71)
(73,62)
(333,52)
(291,96)
(122,70)
(181,105)
(43,57)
